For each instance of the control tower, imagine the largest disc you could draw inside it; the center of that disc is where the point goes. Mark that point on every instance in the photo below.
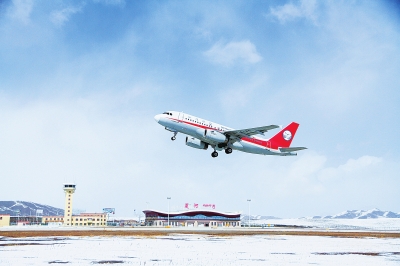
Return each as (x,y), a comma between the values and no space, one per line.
(69,189)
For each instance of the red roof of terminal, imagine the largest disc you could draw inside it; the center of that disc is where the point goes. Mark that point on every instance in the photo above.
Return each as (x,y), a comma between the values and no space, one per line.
(193,213)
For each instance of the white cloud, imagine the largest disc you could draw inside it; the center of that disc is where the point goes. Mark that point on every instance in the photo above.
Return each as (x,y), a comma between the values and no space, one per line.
(310,174)
(238,95)
(306,166)
(59,17)
(111,2)
(352,168)
(363,162)
(53,141)
(338,66)
(233,52)
(21,10)
(288,12)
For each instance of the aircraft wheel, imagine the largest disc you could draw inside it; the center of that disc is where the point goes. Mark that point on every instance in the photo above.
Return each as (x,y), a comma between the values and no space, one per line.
(214,154)
(173,138)
(228,150)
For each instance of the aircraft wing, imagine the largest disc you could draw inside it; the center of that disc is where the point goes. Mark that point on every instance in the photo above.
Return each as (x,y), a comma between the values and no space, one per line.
(240,133)
(290,149)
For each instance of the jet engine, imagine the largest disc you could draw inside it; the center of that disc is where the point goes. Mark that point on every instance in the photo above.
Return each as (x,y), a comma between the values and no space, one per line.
(215,136)
(196,143)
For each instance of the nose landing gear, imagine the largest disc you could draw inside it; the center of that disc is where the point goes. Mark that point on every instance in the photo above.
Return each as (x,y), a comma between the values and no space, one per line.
(214,154)
(174,136)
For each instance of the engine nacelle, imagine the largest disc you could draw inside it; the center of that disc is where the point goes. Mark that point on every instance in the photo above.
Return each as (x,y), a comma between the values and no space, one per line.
(196,143)
(215,136)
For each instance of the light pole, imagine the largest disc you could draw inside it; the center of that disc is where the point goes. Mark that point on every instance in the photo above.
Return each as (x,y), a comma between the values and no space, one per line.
(168,198)
(249,200)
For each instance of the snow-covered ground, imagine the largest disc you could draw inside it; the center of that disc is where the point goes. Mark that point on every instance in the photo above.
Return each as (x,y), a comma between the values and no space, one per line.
(188,249)
(385,224)
(200,250)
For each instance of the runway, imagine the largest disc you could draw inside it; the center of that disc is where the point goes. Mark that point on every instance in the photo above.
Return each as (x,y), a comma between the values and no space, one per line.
(169,246)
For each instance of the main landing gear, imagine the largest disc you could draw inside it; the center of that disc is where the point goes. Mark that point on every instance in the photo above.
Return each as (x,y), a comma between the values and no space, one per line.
(228,150)
(174,136)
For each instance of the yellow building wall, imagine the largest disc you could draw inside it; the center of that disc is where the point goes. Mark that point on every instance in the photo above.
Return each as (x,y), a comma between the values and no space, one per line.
(52,219)
(4,220)
(94,219)
(89,220)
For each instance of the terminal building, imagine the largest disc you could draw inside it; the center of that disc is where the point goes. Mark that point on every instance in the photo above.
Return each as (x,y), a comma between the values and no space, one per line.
(192,218)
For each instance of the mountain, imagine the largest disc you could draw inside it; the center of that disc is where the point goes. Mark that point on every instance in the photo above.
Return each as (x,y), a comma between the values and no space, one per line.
(245,217)
(351,214)
(356,214)
(25,208)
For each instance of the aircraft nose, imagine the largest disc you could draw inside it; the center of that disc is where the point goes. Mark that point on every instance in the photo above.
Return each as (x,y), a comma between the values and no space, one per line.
(157,118)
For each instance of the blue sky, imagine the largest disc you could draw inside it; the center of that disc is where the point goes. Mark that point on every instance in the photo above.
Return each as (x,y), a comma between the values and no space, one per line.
(80,83)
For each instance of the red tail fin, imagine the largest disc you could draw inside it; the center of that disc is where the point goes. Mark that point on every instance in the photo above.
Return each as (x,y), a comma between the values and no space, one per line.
(284,137)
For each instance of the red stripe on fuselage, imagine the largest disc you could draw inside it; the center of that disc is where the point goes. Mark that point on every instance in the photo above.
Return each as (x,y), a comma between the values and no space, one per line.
(256,141)
(259,142)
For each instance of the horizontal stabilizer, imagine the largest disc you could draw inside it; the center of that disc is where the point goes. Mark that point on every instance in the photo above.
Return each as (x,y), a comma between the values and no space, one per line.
(290,149)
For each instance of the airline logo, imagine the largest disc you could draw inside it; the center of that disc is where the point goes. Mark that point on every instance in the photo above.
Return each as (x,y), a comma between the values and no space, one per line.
(287,135)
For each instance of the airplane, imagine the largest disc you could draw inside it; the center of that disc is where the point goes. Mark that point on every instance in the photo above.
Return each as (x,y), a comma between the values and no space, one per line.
(203,133)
